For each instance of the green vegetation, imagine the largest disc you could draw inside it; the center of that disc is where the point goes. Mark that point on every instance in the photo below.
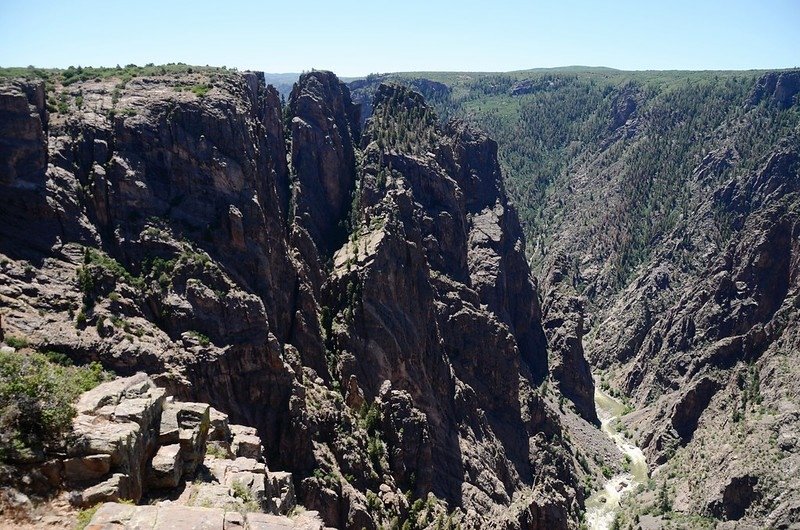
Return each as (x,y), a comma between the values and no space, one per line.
(242,492)
(161,269)
(402,122)
(202,339)
(216,451)
(16,342)
(37,391)
(427,513)
(109,265)
(664,503)
(552,124)
(85,516)
(371,417)
(201,90)
(73,74)
(750,384)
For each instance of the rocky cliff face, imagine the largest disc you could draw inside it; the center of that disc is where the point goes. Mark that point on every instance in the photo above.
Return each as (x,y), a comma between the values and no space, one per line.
(661,210)
(670,257)
(711,358)
(366,306)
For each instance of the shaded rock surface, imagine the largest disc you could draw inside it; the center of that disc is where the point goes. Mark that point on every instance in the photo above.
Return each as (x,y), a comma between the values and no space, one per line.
(162,231)
(701,335)
(130,443)
(662,216)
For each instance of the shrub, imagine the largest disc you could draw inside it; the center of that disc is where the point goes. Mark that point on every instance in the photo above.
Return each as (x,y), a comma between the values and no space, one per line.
(17,342)
(664,503)
(202,339)
(85,516)
(375,450)
(80,320)
(201,90)
(36,400)
(371,417)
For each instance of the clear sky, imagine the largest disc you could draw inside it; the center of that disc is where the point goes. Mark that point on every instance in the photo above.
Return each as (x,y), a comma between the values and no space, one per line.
(356,38)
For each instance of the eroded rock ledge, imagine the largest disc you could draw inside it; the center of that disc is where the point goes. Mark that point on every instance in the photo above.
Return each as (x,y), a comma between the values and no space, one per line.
(131,442)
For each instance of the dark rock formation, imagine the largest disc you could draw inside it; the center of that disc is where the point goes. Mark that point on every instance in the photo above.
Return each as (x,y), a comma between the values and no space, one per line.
(443,213)
(23,150)
(734,499)
(162,237)
(623,108)
(662,214)
(325,126)
(779,88)
(363,90)
(564,315)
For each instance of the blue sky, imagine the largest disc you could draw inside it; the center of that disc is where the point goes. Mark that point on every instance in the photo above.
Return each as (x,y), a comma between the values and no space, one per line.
(356,38)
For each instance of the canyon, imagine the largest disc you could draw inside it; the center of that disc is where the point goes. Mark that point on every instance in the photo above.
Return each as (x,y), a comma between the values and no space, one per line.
(407,315)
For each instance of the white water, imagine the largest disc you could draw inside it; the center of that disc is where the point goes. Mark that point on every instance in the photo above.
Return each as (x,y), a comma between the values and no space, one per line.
(603,505)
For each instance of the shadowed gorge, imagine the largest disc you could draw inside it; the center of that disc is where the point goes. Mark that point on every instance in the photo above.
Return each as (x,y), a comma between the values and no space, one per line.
(388,303)
(367,306)
(660,210)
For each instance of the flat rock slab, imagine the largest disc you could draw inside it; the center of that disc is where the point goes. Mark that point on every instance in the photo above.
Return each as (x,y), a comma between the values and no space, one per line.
(116,516)
(92,467)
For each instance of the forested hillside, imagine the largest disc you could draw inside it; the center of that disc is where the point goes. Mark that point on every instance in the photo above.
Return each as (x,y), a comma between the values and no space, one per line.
(640,129)
(661,215)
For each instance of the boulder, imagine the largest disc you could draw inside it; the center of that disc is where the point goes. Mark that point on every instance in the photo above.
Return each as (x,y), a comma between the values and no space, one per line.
(250,488)
(280,490)
(105,397)
(246,442)
(219,429)
(248,464)
(116,488)
(86,468)
(115,431)
(263,521)
(213,495)
(188,425)
(166,467)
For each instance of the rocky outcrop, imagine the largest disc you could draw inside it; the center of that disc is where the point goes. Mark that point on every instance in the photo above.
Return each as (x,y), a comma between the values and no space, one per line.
(734,499)
(363,90)
(564,316)
(779,88)
(530,86)
(113,439)
(661,211)
(623,106)
(325,127)
(460,287)
(377,328)
(129,442)
(24,128)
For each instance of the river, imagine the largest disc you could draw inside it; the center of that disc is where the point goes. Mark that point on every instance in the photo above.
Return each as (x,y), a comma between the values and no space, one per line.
(603,505)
